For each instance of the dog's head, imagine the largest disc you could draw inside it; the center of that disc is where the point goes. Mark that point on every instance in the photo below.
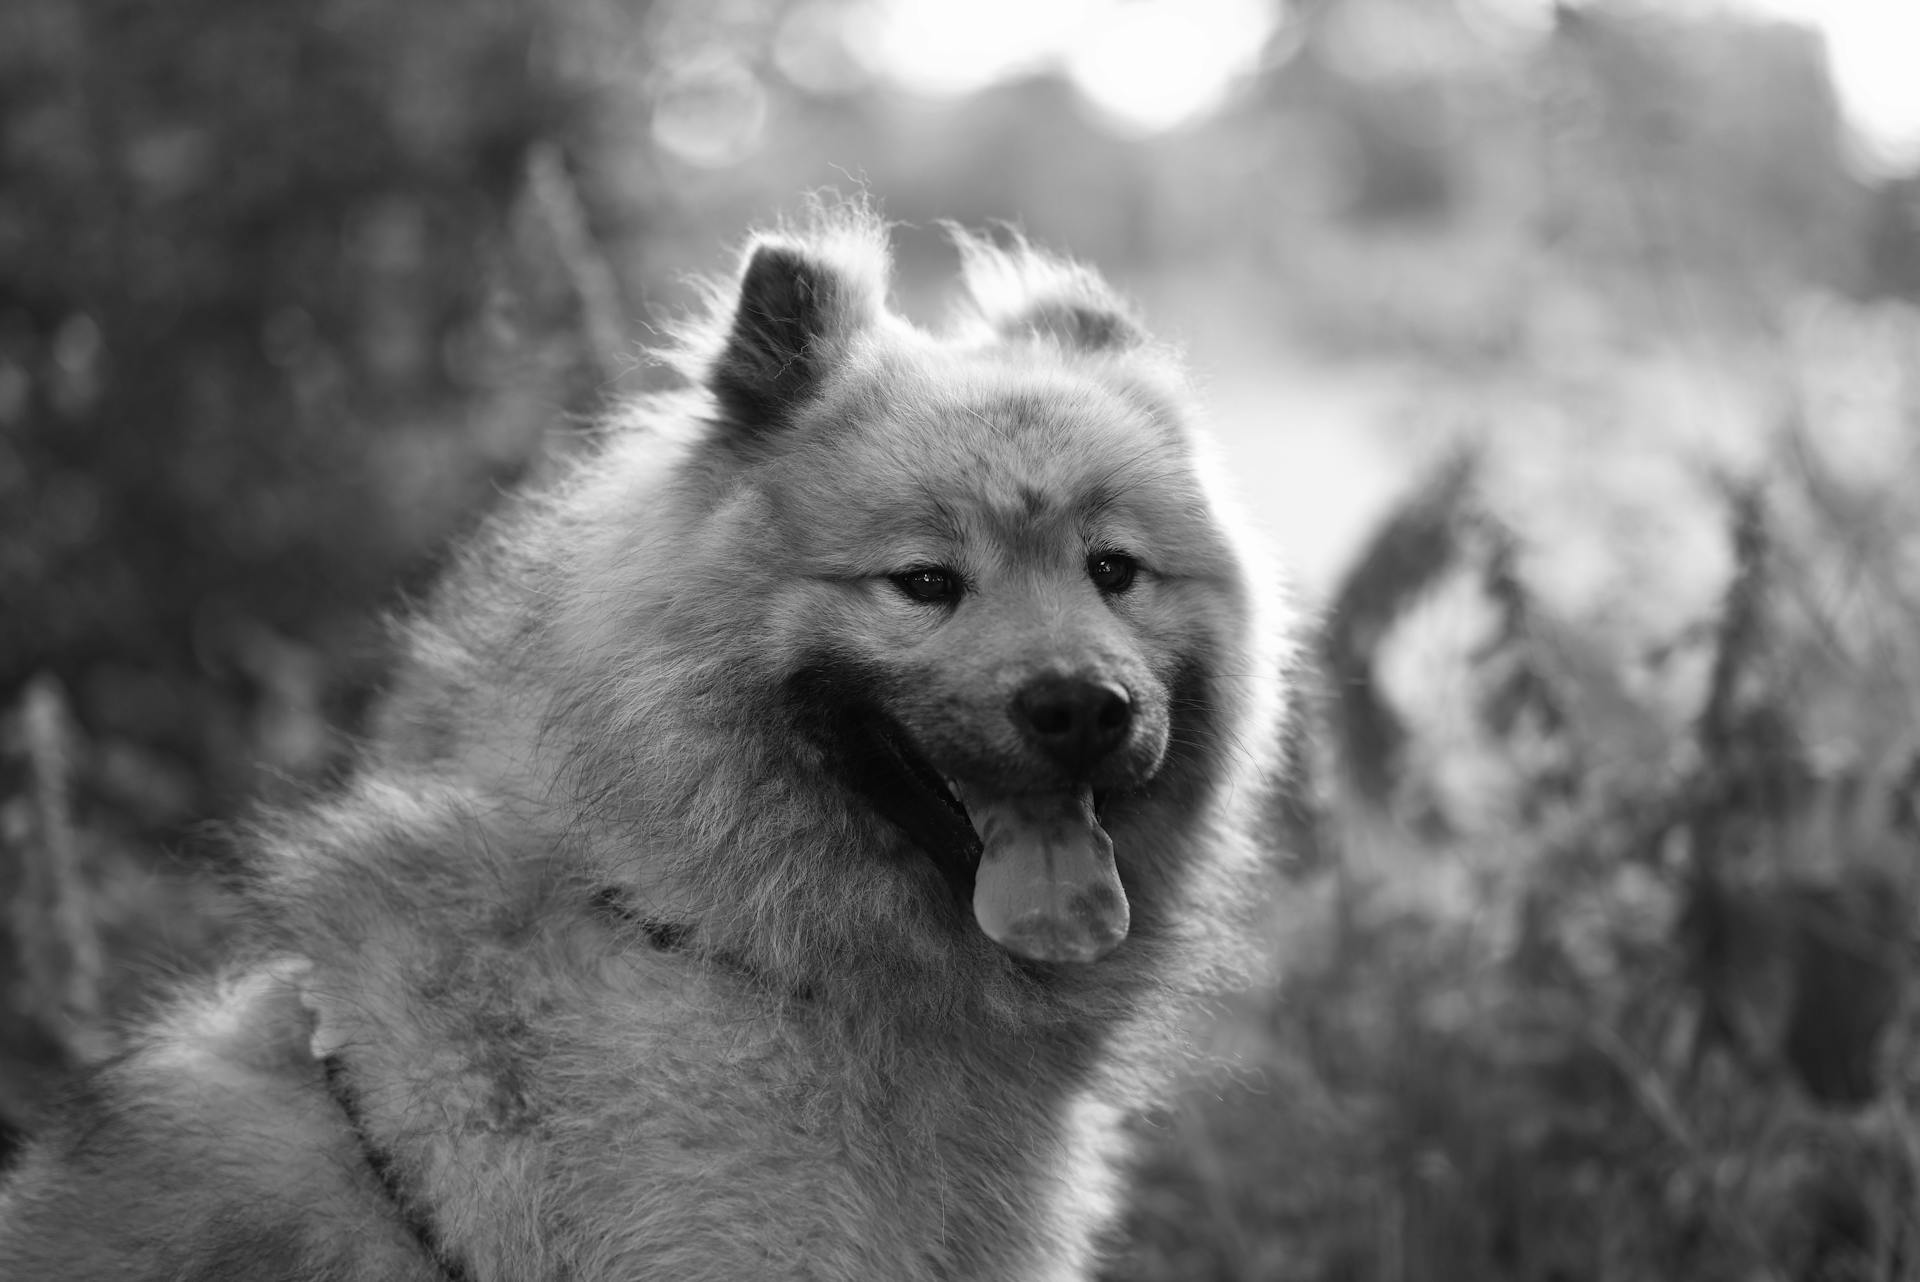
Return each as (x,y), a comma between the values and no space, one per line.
(1006,606)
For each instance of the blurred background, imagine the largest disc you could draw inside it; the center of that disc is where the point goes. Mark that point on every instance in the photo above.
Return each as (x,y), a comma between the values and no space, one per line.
(1569,351)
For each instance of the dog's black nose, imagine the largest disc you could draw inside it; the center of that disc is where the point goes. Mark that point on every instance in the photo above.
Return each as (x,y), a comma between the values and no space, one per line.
(1073,720)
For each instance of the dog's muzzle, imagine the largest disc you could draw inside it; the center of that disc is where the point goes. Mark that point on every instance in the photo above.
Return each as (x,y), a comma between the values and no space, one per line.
(1036,867)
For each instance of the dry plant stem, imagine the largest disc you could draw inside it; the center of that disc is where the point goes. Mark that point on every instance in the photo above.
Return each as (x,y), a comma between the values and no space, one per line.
(595,288)
(1664,1113)
(53,918)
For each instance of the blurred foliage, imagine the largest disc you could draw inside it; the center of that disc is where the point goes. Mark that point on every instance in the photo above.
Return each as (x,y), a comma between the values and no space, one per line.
(276,314)
(1577,1020)
(252,259)
(1576,360)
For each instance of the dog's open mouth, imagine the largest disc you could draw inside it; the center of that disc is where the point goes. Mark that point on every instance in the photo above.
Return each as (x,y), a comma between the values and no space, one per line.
(1046,888)
(1036,868)
(1044,884)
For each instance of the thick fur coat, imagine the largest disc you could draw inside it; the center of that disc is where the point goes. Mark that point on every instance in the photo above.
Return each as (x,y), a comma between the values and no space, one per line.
(782,852)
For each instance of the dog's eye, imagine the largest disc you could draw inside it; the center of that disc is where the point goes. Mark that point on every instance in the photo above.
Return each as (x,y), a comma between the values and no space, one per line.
(1111,571)
(929,583)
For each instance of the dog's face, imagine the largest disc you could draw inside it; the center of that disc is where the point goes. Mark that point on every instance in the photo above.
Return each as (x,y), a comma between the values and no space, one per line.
(1002,566)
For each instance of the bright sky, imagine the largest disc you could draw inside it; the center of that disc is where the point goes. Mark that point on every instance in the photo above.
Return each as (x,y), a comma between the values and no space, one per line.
(1152,65)
(1873,47)
(1149,65)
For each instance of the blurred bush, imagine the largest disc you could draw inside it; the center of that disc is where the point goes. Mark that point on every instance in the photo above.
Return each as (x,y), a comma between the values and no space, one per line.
(1613,976)
(279,307)
(253,264)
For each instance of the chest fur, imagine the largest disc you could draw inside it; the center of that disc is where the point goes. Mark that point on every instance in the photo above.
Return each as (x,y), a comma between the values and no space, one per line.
(669,1114)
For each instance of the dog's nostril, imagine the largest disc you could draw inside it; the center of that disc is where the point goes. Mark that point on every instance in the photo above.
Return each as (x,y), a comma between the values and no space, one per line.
(1074,720)
(1050,719)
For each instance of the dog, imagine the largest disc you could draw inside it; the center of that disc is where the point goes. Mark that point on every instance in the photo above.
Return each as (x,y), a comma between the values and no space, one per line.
(786,848)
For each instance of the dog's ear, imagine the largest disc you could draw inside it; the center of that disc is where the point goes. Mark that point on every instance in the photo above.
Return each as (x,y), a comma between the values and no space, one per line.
(1023,294)
(798,310)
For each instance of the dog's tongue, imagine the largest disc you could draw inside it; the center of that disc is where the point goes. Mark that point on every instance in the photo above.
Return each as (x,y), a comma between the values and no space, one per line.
(1046,889)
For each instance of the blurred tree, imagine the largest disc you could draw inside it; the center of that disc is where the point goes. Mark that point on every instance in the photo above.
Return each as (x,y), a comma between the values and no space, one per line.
(251,261)
(285,290)
(1702,144)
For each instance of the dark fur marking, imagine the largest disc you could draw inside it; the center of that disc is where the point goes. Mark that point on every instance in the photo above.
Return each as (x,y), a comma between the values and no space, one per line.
(1079,325)
(12,1140)
(833,698)
(1194,745)
(665,936)
(677,937)
(417,1221)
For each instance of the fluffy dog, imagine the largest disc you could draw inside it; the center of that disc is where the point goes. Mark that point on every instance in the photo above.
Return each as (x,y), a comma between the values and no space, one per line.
(782,851)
